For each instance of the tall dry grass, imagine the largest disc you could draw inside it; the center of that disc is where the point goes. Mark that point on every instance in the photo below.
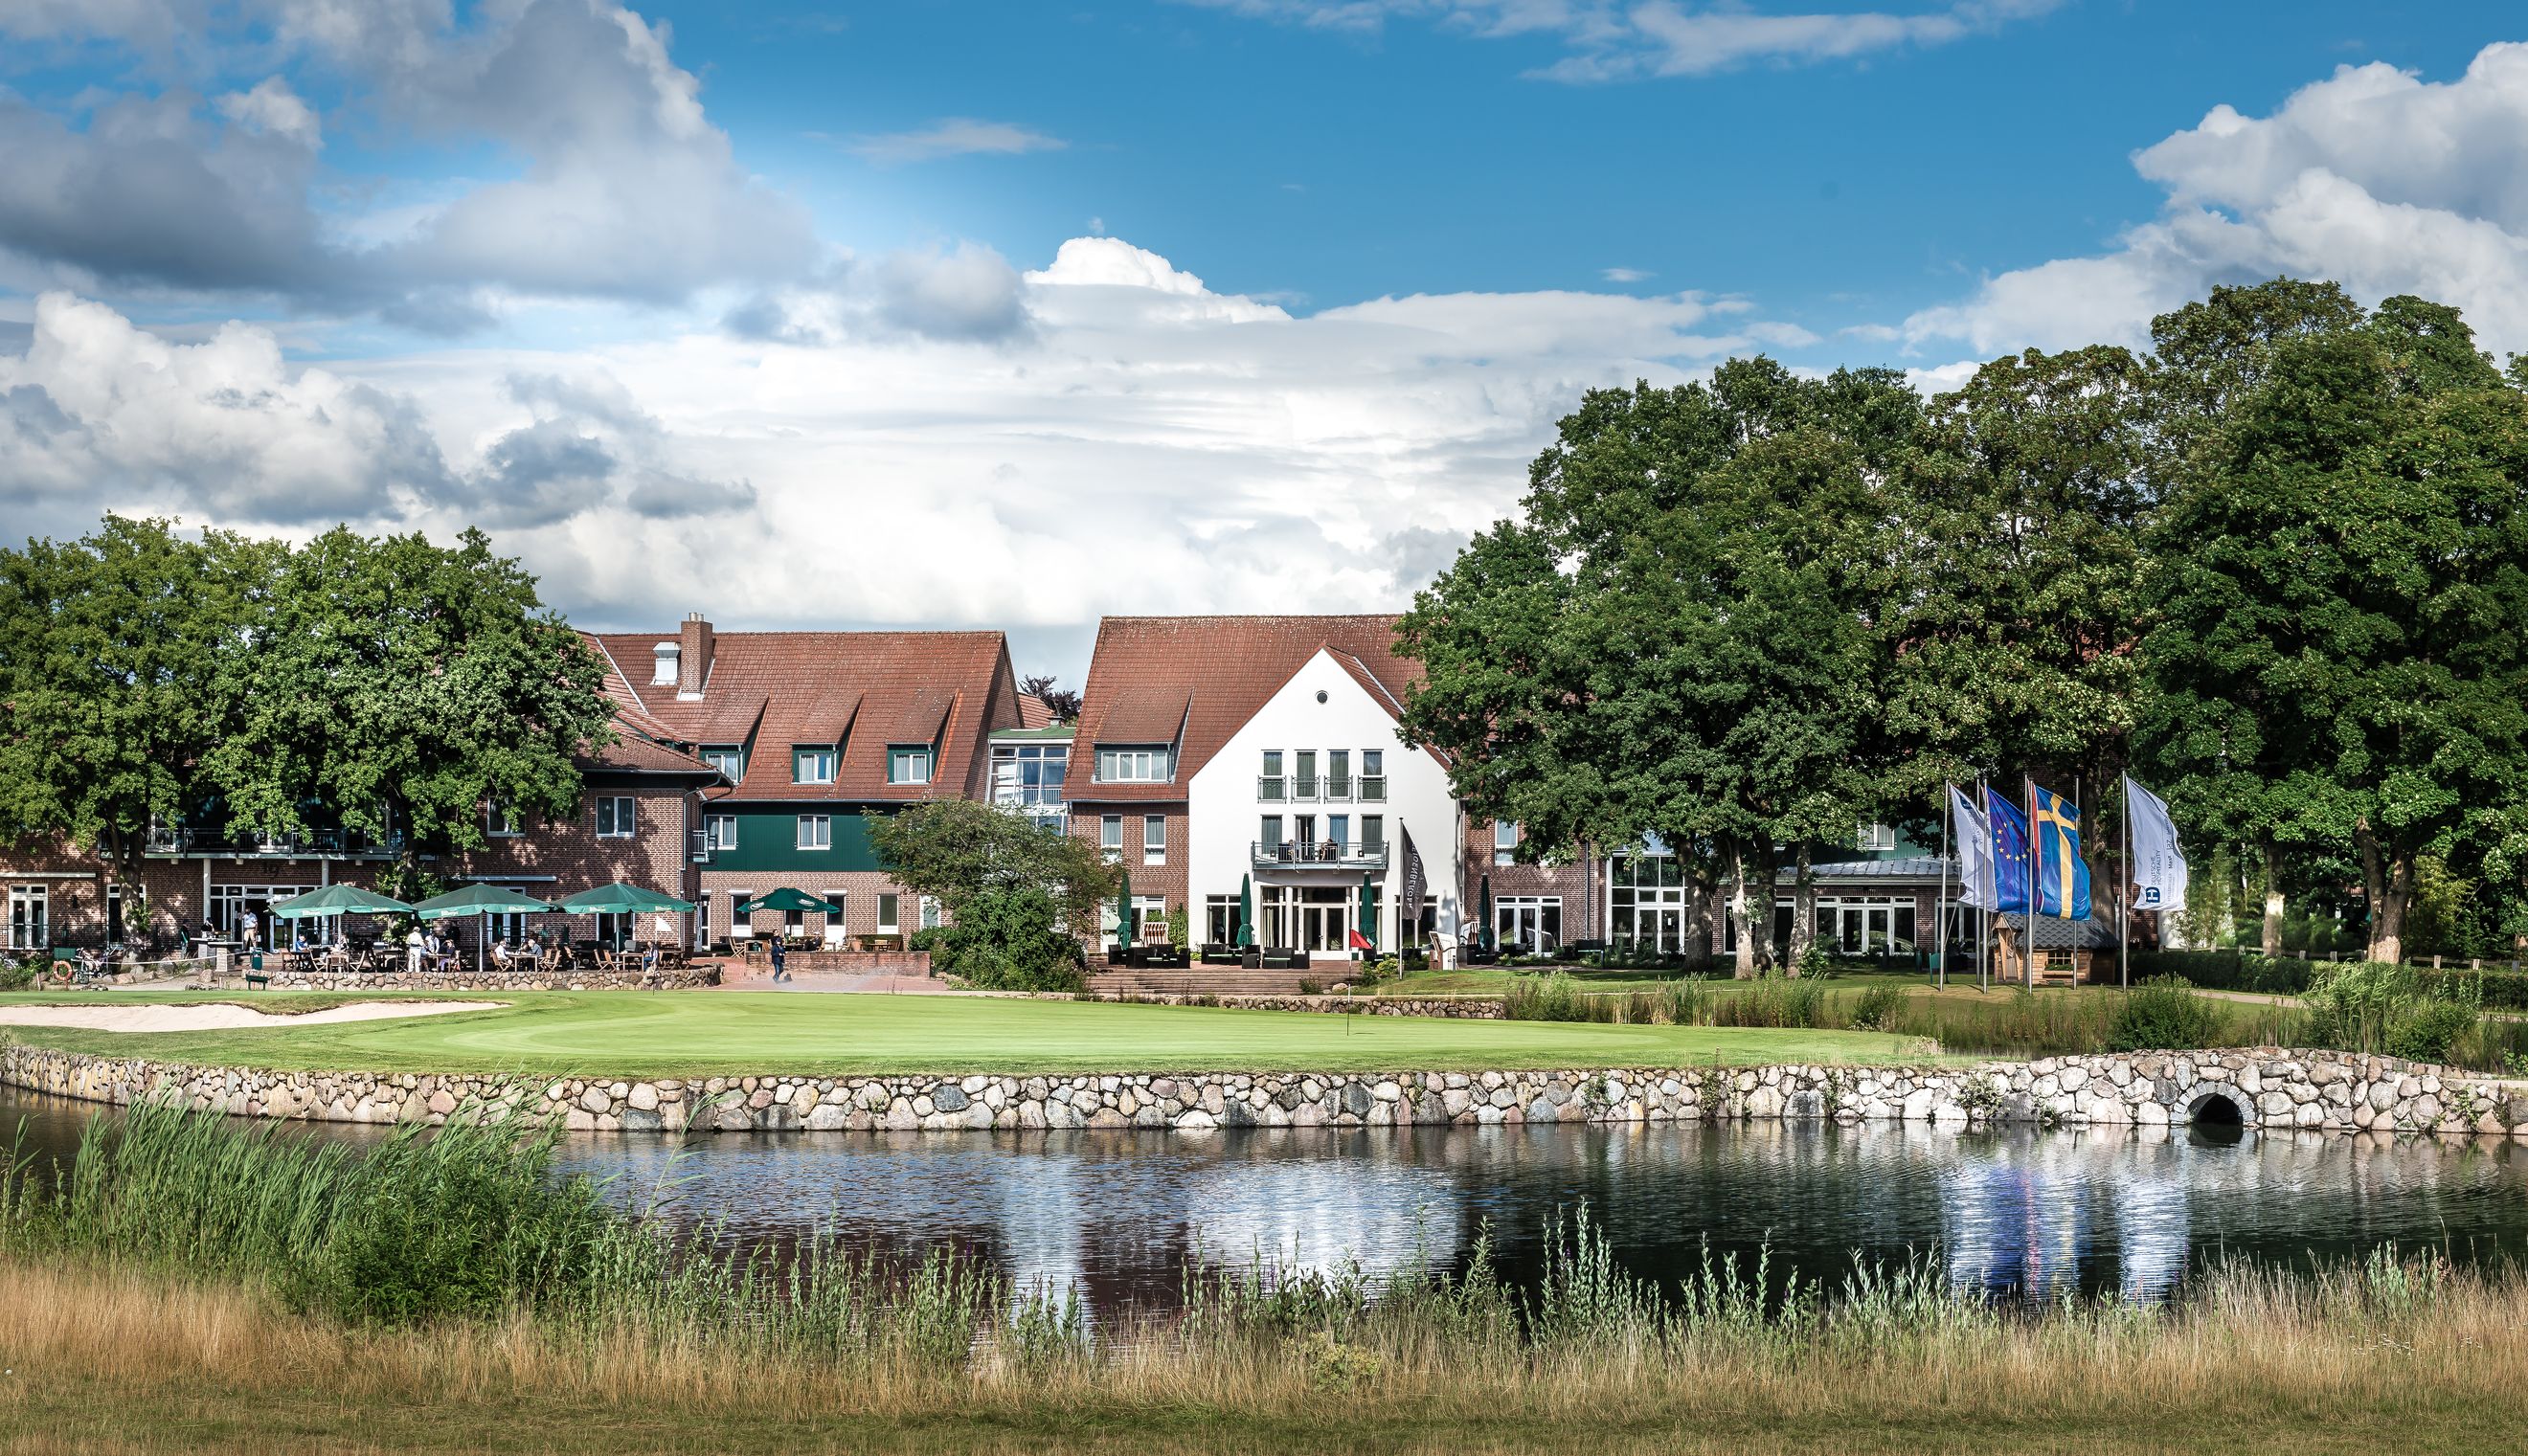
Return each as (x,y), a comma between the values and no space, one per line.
(2407,1346)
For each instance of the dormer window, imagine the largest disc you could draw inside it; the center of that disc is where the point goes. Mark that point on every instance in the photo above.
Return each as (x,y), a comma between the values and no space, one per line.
(907,763)
(1132,765)
(812,766)
(728,759)
(664,659)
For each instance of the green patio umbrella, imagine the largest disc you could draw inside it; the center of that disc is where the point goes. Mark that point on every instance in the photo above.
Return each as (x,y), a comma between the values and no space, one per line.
(1124,910)
(1484,925)
(619,899)
(1369,914)
(625,900)
(785,899)
(479,900)
(337,900)
(1244,936)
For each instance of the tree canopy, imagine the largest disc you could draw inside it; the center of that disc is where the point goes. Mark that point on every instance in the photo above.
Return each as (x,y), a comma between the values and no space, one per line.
(2275,564)
(1011,890)
(385,684)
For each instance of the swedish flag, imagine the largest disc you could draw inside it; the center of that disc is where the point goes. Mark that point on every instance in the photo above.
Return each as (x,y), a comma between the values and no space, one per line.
(2062,875)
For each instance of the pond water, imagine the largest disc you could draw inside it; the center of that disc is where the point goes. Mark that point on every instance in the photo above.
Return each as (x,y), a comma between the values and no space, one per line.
(2019,1213)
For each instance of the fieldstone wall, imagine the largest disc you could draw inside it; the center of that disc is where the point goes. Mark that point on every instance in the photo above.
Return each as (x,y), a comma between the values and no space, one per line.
(2264,1088)
(684,979)
(1467,1009)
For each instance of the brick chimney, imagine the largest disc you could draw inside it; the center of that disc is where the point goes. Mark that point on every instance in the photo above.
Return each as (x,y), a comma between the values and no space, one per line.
(693,665)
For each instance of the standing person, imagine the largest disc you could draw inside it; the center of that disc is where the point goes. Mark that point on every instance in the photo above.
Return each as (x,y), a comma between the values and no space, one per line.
(780,963)
(413,943)
(247,931)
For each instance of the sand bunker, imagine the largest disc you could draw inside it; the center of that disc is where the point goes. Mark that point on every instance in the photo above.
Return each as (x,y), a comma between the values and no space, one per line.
(219,1015)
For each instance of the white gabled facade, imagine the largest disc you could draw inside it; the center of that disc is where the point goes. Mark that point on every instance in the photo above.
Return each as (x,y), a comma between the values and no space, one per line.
(1352,825)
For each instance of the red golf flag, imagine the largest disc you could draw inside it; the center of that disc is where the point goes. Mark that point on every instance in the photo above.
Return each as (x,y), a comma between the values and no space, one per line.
(1360,942)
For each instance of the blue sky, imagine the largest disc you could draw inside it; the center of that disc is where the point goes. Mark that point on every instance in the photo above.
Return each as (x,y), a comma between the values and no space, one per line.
(1018,313)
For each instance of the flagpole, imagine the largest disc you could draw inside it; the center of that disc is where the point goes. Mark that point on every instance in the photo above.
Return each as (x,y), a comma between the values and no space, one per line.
(2027,860)
(2069,934)
(1940,906)
(2124,896)
(1984,913)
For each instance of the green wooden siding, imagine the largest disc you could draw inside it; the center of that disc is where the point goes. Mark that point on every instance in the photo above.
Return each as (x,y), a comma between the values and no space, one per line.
(768,843)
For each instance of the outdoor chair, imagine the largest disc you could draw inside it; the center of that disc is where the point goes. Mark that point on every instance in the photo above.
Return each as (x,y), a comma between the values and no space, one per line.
(1252,959)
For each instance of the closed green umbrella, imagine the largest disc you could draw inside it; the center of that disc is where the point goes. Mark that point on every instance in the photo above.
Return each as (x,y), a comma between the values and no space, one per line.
(1369,912)
(479,900)
(1245,936)
(1124,910)
(1484,925)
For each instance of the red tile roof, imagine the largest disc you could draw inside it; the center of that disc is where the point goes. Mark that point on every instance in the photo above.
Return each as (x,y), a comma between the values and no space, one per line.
(1214,673)
(772,691)
(1035,712)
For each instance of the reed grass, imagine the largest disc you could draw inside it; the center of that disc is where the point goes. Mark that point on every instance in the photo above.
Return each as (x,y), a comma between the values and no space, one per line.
(176,1281)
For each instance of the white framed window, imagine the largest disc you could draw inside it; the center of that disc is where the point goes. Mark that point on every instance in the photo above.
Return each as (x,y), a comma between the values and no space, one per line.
(907,764)
(29,917)
(1154,838)
(1140,765)
(1505,842)
(614,816)
(1271,835)
(721,831)
(1029,775)
(814,765)
(728,758)
(889,907)
(1879,838)
(931,916)
(740,927)
(1373,832)
(815,831)
(1109,835)
(501,819)
(835,934)
(1373,775)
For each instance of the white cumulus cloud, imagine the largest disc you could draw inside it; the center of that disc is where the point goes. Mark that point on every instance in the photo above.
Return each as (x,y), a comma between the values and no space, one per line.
(2374,177)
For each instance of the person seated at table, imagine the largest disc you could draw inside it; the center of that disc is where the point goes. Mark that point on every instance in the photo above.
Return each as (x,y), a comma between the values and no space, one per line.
(297,938)
(500,954)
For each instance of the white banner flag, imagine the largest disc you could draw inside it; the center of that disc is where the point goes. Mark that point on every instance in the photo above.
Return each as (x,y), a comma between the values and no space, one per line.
(1975,853)
(2158,863)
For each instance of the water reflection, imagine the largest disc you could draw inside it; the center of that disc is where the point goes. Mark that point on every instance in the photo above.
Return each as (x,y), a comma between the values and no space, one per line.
(2018,1214)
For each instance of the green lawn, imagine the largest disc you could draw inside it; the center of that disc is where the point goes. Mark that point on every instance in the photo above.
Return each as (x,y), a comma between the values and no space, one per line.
(1494,980)
(632,1033)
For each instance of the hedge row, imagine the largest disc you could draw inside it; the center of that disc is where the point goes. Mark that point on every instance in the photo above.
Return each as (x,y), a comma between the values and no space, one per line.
(2245,970)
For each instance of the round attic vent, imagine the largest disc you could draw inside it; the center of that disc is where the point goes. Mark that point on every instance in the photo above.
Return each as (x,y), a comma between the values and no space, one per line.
(1321,694)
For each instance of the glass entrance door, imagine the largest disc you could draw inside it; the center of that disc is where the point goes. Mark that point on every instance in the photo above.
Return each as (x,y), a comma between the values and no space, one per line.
(1325,914)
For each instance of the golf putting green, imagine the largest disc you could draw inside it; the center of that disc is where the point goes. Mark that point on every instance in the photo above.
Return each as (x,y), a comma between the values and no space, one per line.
(695,1034)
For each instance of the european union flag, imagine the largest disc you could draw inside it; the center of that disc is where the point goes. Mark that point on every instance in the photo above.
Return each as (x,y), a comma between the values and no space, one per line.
(2062,875)
(2008,853)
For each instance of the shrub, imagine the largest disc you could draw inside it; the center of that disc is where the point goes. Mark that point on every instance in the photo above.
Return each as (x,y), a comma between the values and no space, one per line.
(1878,1007)
(16,976)
(2163,1014)
(1005,940)
(2427,1029)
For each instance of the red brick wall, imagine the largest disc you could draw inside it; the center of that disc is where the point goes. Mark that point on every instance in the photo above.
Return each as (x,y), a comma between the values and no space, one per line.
(1167,879)
(1581,883)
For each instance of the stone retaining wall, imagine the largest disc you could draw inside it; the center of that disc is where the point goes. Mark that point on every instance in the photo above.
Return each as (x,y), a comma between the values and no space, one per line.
(1469,1009)
(684,979)
(2268,1088)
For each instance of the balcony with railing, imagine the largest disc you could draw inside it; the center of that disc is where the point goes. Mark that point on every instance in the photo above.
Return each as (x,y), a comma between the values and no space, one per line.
(314,844)
(1331,853)
(1332,788)
(698,845)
